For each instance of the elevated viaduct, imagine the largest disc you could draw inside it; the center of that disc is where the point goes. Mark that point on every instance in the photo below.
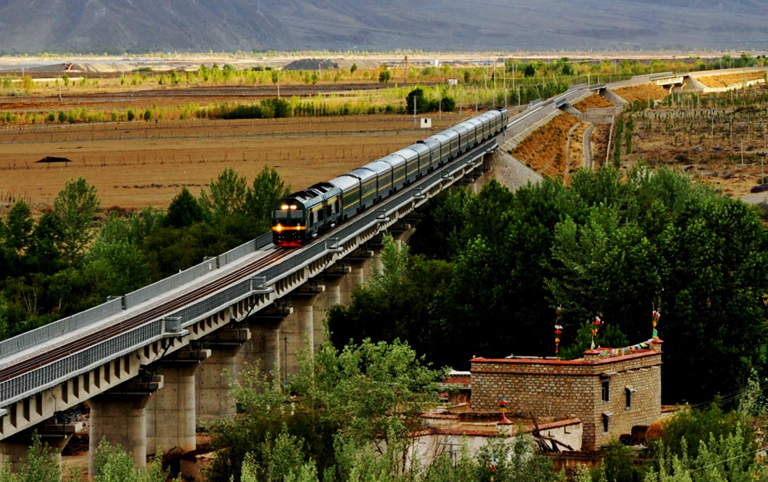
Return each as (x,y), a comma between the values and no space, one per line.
(150,364)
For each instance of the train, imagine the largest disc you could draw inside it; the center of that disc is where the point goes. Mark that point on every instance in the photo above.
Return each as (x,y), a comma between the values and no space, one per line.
(303,215)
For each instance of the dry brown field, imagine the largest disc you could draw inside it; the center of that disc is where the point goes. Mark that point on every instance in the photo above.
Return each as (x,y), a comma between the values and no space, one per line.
(705,143)
(135,164)
(641,92)
(544,150)
(730,79)
(594,101)
(575,151)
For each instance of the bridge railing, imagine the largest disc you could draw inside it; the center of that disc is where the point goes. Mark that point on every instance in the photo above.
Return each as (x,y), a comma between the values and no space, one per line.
(67,325)
(178,280)
(58,328)
(90,357)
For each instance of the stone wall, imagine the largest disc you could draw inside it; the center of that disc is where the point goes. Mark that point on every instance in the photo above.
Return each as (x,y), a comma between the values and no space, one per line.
(573,389)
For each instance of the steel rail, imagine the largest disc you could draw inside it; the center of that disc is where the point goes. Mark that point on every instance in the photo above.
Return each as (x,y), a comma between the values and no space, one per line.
(138,320)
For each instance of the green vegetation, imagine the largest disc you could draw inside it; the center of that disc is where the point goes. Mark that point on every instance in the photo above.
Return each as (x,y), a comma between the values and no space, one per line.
(349,415)
(67,262)
(488,271)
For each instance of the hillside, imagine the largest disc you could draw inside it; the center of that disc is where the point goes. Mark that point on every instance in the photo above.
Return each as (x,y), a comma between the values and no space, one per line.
(227,25)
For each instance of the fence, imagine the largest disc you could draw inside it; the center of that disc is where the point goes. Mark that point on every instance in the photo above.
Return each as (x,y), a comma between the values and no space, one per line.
(45,333)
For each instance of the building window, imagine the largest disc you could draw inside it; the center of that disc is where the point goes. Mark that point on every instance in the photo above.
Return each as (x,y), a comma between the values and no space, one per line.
(606,419)
(606,389)
(629,391)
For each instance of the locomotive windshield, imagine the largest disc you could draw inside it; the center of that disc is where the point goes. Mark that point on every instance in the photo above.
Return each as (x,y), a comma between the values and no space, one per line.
(289,214)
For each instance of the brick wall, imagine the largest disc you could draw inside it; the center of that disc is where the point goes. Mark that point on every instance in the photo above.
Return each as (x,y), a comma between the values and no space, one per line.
(572,388)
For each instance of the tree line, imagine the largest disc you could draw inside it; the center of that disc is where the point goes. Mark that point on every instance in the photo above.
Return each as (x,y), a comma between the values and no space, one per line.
(486,274)
(75,255)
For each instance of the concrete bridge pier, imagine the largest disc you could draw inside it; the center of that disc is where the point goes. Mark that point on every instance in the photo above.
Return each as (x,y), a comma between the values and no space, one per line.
(332,279)
(265,346)
(402,232)
(119,416)
(212,394)
(170,414)
(299,329)
(14,450)
(377,247)
(359,261)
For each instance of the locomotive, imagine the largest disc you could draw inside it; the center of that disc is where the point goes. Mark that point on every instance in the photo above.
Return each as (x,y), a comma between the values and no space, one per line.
(303,215)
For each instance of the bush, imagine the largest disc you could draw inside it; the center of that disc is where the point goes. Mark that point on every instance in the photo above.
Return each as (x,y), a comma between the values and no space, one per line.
(130,115)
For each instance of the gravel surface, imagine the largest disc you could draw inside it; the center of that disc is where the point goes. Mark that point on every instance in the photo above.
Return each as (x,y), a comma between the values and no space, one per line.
(511,172)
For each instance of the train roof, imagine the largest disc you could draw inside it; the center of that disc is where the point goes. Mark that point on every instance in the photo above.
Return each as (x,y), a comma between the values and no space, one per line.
(393,159)
(379,166)
(362,173)
(345,182)
(407,153)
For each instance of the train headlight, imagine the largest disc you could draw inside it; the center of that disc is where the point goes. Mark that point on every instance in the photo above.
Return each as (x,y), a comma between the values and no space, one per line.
(293,207)
(284,207)
(279,228)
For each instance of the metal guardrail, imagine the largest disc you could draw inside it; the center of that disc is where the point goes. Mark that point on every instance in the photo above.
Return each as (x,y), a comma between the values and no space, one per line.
(164,285)
(99,313)
(61,327)
(173,324)
(88,359)
(664,75)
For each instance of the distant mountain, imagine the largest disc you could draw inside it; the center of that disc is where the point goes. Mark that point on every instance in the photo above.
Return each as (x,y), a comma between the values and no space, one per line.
(228,25)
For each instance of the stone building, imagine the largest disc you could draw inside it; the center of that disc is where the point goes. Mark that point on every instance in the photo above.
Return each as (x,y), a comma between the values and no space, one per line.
(609,390)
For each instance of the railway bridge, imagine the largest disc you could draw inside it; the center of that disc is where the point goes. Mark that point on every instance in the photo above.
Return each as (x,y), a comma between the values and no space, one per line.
(150,364)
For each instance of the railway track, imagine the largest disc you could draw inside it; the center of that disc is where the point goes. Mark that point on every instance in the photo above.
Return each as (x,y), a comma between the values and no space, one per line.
(140,319)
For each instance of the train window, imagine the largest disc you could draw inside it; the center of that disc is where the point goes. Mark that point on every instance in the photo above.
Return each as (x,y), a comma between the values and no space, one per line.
(298,214)
(281,214)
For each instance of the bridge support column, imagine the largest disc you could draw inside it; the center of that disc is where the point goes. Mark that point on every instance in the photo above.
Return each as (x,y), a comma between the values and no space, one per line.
(170,414)
(14,450)
(402,233)
(359,261)
(265,346)
(119,417)
(330,298)
(212,393)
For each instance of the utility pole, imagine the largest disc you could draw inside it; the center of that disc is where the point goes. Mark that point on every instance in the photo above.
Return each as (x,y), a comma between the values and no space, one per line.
(278,84)
(414,111)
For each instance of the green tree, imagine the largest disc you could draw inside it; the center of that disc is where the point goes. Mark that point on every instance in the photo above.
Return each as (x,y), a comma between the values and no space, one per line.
(266,191)
(353,69)
(27,83)
(385,76)
(76,207)
(19,226)
(41,465)
(43,255)
(225,195)
(184,210)
(369,393)
(113,464)
(416,97)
